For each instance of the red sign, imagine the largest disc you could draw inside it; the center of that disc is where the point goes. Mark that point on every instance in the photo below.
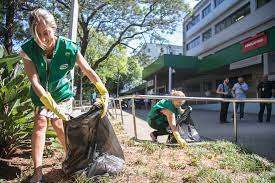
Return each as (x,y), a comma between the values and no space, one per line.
(254,42)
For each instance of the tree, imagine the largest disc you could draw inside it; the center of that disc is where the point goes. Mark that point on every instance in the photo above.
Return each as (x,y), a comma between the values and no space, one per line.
(121,74)
(124,20)
(119,20)
(118,69)
(8,28)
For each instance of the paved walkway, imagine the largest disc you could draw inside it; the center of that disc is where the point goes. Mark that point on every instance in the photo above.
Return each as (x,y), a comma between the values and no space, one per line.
(251,108)
(257,137)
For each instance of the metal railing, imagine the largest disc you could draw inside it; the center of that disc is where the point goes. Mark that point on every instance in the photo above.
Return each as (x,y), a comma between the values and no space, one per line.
(234,101)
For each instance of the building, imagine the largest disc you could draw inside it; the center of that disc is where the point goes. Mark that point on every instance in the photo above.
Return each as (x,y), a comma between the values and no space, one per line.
(222,38)
(153,51)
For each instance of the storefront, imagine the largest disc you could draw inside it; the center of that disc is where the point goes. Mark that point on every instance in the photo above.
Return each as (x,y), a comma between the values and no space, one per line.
(249,58)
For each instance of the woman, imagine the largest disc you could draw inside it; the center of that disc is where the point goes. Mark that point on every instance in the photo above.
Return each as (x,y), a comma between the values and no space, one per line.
(48,61)
(162,117)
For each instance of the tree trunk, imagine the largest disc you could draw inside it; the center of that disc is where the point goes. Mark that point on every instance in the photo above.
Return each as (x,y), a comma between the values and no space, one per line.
(10,5)
(85,39)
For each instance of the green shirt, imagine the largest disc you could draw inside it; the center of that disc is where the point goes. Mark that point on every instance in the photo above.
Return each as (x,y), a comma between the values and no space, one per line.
(155,114)
(55,75)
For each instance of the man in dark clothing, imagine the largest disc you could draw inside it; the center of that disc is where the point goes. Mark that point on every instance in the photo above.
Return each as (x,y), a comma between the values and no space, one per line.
(265,91)
(224,91)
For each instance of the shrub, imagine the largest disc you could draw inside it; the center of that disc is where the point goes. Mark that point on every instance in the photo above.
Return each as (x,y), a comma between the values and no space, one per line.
(16,111)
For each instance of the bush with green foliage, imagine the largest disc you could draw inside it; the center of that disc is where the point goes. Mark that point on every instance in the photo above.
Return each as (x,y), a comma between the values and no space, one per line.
(16,110)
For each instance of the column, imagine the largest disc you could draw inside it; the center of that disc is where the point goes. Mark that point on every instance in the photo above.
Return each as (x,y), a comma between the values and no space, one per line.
(170,79)
(155,84)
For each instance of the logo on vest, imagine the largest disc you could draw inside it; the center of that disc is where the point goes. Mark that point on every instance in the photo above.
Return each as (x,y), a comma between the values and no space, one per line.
(67,54)
(63,67)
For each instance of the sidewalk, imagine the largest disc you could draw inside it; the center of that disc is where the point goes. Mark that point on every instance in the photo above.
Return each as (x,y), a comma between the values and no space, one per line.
(251,108)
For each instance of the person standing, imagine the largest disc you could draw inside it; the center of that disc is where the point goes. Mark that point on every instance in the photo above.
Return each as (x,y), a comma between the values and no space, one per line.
(48,60)
(264,89)
(239,92)
(224,91)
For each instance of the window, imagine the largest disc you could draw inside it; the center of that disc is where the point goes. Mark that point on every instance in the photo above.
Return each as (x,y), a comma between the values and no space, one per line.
(192,44)
(217,2)
(206,10)
(231,19)
(193,22)
(260,3)
(206,35)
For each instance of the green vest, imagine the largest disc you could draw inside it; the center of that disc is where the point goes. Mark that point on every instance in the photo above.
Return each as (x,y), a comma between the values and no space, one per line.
(54,76)
(155,114)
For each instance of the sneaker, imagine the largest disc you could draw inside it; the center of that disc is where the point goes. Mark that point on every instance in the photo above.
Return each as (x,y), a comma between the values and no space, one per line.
(268,121)
(153,137)
(260,121)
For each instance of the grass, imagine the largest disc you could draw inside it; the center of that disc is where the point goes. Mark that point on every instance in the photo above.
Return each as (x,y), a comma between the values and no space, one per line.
(150,147)
(245,163)
(211,162)
(261,178)
(177,165)
(159,176)
(211,175)
(84,179)
(230,156)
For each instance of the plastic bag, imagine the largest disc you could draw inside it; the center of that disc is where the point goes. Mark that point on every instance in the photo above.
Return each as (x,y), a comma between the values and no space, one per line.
(92,146)
(186,126)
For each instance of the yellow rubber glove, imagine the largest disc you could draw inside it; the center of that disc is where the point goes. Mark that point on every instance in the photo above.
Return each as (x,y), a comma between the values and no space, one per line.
(50,104)
(180,140)
(104,96)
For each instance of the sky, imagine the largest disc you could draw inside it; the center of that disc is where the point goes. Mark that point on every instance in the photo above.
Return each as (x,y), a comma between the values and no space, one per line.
(176,37)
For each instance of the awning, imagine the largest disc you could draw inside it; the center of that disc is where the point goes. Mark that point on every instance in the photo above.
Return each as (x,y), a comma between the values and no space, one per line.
(174,61)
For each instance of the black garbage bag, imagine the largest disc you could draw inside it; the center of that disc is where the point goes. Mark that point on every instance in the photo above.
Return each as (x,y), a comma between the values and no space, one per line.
(92,146)
(185,127)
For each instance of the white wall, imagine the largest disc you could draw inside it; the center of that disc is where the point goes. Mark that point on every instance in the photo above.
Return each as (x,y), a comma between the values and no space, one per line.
(219,11)
(258,20)
(154,50)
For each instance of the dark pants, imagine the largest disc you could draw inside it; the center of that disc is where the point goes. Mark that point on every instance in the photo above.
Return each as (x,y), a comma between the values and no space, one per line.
(261,112)
(159,129)
(163,128)
(223,112)
(241,106)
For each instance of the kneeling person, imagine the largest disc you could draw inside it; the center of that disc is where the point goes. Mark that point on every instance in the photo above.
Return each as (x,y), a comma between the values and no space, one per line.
(162,117)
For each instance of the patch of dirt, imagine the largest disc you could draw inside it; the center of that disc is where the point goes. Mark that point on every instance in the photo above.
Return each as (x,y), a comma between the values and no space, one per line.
(19,166)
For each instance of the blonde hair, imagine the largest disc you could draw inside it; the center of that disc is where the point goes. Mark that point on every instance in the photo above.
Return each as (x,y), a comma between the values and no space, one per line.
(177,93)
(38,15)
